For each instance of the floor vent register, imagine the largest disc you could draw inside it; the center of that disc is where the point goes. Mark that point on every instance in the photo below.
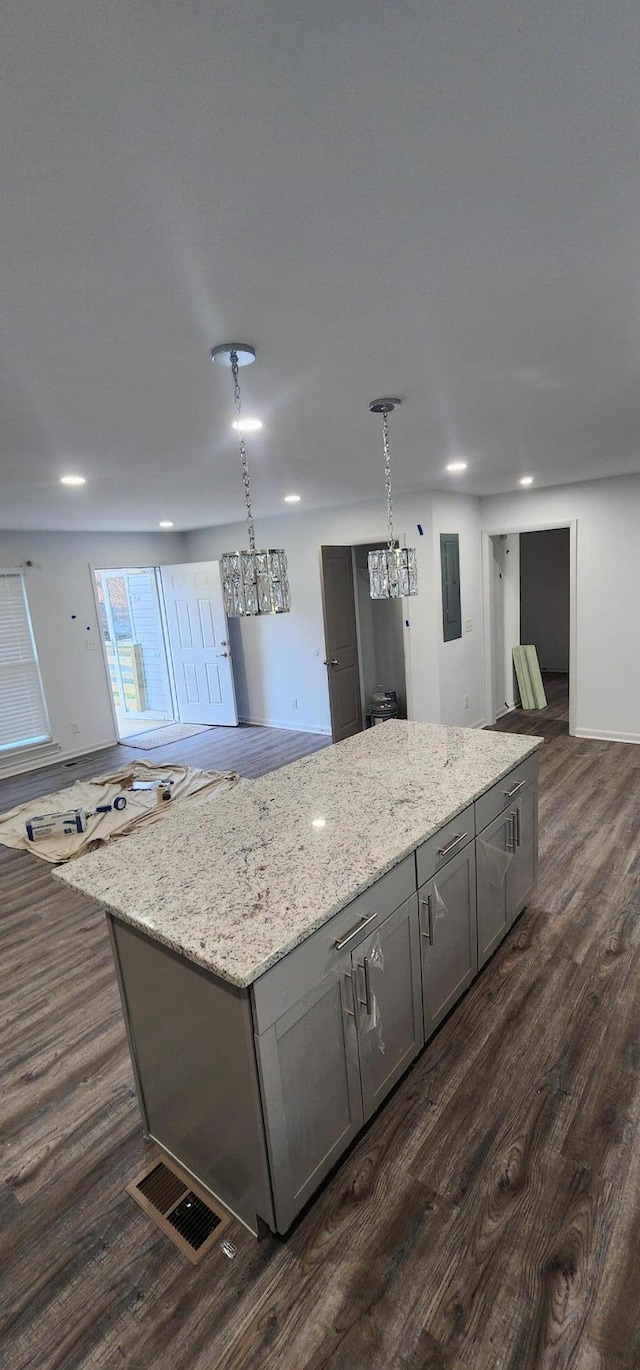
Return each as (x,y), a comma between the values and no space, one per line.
(185,1213)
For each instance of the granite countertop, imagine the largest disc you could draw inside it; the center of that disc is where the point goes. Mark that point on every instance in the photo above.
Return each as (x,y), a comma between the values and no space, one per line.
(237,880)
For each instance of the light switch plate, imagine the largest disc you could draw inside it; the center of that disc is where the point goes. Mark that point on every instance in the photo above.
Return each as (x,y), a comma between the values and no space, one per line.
(468,625)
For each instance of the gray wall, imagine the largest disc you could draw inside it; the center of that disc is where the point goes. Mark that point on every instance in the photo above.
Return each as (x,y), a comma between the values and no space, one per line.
(544,595)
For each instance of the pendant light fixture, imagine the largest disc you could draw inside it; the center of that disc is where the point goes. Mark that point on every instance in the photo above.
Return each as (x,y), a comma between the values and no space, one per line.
(392,570)
(253,582)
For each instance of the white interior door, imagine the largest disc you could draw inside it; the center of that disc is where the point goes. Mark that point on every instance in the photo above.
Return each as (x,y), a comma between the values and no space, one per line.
(199,643)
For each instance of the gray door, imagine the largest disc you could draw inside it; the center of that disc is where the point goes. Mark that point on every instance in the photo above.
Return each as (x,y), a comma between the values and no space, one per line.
(311,1084)
(494,858)
(341,641)
(386,970)
(523,868)
(448,936)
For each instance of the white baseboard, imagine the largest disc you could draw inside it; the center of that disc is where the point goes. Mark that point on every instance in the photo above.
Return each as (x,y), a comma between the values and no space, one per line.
(55,757)
(597,735)
(481,723)
(289,727)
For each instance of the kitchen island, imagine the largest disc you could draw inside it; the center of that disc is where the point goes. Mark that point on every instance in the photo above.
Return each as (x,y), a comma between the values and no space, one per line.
(285,949)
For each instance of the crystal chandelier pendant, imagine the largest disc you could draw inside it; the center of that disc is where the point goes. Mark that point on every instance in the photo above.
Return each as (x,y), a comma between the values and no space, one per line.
(393,570)
(253,581)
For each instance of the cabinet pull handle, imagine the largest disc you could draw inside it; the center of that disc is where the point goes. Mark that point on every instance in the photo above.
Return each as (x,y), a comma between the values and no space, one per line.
(351,1013)
(368,997)
(426,904)
(517,826)
(444,851)
(342,941)
(511,834)
(510,793)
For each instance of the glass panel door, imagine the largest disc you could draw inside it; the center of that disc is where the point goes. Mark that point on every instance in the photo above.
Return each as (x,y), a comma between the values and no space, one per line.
(133,633)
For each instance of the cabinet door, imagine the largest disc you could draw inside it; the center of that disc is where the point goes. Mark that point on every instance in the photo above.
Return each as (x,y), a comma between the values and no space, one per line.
(386,969)
(494,858)
(524,866)
(309,1073)
(448,936)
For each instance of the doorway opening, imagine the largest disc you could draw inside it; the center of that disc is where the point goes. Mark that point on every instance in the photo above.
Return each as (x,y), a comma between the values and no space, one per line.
(135,648)
(380,625)
(364,640)
(529,599)
(166,646)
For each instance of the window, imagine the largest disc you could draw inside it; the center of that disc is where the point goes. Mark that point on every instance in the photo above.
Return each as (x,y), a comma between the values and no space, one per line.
(450,567)
(23,712)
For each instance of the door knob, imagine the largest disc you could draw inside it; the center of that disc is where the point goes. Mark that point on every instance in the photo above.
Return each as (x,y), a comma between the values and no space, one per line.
(224,653)
(333,662)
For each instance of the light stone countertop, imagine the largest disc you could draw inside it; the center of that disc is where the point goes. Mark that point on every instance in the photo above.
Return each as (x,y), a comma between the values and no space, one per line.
(236,881)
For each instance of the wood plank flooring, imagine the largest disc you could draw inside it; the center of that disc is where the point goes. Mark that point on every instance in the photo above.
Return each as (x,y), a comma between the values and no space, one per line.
(487,1218)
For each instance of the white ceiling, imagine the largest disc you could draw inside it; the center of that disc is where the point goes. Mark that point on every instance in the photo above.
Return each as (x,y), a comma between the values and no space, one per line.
(435,199)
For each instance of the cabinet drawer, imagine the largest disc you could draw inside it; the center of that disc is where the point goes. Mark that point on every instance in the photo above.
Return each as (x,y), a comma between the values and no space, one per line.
(440,848)
(298,973)
(500,796)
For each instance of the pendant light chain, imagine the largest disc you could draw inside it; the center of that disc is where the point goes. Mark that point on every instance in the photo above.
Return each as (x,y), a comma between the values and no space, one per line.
(255,580)
(393,570)
(243,452)
(387,476)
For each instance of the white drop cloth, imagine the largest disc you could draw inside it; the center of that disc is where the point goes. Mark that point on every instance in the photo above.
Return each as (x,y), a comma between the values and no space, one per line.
(142,807)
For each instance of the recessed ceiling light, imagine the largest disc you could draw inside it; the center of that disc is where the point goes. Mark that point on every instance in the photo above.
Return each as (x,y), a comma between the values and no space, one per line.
(318,822)
(457,466)
(292,499)
(247,425)
(72,480)
(165,523)
(526,480)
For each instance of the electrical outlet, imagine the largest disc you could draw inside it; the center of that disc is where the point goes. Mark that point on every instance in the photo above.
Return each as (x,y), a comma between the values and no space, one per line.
(91,644)
(468,625)
(294,703)
(466,701)
(75,727)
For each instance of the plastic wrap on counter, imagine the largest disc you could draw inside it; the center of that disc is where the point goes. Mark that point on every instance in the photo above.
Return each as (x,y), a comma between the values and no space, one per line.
(371,1020)
(497,862)
(438,907)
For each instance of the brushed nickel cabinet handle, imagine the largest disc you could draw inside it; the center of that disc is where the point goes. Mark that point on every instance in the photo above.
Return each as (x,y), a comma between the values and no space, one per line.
(517,826)
(351,1013)
(444,851)
(342,941)
(368,997)
(426,904)
(510,793)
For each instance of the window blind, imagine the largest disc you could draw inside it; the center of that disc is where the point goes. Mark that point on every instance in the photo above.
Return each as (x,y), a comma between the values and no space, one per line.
(23,712)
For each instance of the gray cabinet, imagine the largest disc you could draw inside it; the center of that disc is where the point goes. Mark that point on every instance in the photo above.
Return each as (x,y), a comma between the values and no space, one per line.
(389,1003)
(310,1076)
(506,858)
(448,936)
(523,870)
(494,852)
(329,1062)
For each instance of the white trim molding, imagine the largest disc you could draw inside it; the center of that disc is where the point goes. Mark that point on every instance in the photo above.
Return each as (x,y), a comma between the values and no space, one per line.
(287,727)
(597,735)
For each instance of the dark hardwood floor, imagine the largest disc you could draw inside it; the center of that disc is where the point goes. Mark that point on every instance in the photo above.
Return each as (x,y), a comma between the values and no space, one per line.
(488,1217)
